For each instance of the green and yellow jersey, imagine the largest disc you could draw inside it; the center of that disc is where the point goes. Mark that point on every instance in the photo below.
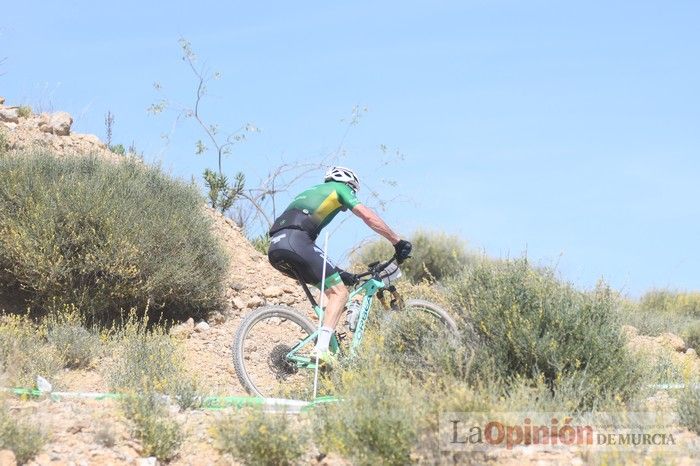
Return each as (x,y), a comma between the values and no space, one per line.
(324,201)
(314,208)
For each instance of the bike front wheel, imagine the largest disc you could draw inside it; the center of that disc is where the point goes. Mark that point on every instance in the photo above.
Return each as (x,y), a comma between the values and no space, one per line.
(420,336)
(433,315)
(260,352)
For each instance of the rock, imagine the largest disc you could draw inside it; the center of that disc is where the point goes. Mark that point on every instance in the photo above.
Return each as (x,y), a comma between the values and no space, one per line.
(150,461)
(217,318)
(43,385)
(237,287)
(56,123)
(201,327)
(180,332)
(183,330)
(332,459)
(272,291)
(690,352)
(7,457)
(76,428)
(669,340)
(290,289)
(42,459)
(238,303)
(288,299)
(255,301)
(10,114)
(89,138)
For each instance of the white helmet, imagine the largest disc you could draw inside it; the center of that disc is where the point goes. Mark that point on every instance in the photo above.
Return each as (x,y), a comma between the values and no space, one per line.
(344,175)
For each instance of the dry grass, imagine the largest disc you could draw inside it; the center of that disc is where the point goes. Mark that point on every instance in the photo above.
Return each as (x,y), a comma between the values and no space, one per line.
(147,360)
(25,351)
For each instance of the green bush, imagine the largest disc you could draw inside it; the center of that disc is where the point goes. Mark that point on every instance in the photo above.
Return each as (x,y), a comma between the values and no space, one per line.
(688,406)
(118,149)
(258,438)
(159,434)
(691,335)
(435,256)
(531,325)
(671,302)
(3,141)
(24,111)
(261,243)
(106,236)
(22,437)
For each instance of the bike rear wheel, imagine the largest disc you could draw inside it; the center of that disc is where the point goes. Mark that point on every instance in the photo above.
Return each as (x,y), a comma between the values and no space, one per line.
(259,350)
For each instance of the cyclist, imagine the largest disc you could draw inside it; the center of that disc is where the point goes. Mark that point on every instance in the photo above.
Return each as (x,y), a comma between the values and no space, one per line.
(294,232)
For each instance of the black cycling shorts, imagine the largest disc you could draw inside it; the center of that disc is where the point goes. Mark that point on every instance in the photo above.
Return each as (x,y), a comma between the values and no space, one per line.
(292,248)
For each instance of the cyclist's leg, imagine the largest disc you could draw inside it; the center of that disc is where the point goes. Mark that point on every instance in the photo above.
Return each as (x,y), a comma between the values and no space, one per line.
(312,258)
(337,298)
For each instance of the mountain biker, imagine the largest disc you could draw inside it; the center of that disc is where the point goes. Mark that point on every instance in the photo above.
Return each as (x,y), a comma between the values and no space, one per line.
(292,246)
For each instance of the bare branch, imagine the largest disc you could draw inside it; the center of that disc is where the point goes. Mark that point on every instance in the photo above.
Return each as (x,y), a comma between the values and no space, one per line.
(258,207)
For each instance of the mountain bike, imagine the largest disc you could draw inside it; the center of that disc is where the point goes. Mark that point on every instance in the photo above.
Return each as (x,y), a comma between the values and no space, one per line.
(272,346)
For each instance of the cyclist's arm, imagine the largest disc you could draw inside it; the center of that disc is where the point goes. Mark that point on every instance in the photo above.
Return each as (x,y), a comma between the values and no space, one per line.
(375,223)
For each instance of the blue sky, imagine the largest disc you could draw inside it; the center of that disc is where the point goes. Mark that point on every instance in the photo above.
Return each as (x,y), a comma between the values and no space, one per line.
(565,129)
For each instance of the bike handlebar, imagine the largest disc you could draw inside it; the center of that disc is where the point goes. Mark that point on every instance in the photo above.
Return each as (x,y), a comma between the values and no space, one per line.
(376,267)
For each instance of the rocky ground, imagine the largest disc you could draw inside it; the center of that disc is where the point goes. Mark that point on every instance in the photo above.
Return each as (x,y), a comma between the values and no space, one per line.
(86,432)
(667,345)
(48,131)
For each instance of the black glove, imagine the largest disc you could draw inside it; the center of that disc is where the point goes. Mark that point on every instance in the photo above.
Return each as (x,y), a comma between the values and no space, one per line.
(403,250)
(349,279)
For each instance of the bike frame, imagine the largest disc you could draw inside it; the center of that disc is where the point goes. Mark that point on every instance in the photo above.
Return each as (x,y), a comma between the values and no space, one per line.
(368,289)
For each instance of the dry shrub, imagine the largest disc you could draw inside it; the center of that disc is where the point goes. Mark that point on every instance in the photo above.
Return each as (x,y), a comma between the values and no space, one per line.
(532,325)
(147,360)
(259,438)
(67,331)
(160,435)
(19,435)
(435,256)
